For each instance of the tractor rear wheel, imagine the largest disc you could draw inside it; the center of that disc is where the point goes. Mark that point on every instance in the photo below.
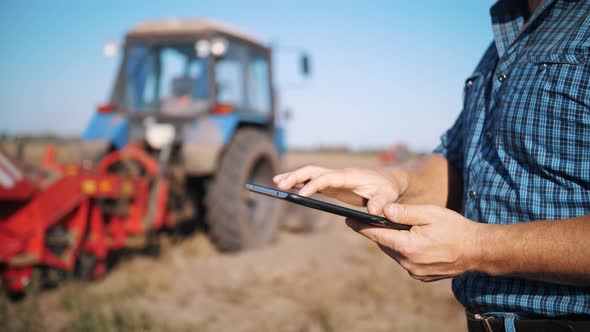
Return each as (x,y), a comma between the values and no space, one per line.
(237,218)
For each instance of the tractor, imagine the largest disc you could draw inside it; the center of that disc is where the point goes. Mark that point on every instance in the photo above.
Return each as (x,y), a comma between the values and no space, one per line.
(197,96)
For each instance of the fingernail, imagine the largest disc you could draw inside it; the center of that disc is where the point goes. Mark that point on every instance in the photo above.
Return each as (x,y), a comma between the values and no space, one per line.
(283,183)
(303,190)
(391,211)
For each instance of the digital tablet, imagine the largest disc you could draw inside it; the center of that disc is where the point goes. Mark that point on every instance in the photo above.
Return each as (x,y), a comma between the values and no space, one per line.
(323,206)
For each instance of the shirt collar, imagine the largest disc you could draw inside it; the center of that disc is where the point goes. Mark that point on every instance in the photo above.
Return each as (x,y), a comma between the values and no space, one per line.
(507,18)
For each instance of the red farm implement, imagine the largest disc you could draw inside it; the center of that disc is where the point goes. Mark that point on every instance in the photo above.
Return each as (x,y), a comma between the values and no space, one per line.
(73,218)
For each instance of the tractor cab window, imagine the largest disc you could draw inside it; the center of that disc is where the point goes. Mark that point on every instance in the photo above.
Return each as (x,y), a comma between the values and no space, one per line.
(229,76)
(170,79)
(259,99)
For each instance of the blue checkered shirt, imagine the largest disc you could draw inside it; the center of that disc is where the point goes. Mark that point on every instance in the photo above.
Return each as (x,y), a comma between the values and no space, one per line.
(522,143)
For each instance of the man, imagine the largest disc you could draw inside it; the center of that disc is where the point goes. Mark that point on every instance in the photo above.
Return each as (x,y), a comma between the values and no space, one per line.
(516,164)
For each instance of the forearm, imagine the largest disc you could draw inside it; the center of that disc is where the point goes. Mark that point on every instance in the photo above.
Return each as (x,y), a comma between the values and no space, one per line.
(431,181)
(551,251)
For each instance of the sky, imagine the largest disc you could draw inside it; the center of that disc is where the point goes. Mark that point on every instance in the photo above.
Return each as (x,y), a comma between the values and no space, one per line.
(382,71)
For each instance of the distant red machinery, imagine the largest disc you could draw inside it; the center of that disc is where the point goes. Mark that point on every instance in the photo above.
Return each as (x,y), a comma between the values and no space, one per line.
(395,155)
(74,218)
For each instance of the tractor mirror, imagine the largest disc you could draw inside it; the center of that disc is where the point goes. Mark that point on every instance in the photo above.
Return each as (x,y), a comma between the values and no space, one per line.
(305,65)
(287,114)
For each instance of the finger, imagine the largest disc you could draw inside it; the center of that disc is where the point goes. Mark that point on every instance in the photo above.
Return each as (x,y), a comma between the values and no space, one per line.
(299,176)
(277,178)
(401,260)
(428,278)
(435,278)
(414,215)
(375,204)
(417,277)
(390,238)
(391,253)
(354,224)
(330,179)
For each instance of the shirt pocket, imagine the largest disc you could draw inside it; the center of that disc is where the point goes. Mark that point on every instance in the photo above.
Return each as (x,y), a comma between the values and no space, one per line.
(558,58)
(546,119)
(564,79)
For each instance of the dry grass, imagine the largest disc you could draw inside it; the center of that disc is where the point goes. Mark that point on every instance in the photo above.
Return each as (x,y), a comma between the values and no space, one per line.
(332,281)
(350,286)
(24,315)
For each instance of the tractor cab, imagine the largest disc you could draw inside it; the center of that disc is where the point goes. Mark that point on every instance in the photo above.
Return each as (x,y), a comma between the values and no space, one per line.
(184,68)
(203,78)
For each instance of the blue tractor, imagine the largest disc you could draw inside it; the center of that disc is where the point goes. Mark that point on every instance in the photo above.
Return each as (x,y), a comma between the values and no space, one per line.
(199,95)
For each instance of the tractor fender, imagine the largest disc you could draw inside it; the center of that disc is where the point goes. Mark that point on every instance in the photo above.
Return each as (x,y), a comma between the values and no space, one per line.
(107,127)
(205,141)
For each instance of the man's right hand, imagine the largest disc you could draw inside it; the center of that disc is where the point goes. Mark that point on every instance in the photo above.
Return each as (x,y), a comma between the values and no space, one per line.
(350,185)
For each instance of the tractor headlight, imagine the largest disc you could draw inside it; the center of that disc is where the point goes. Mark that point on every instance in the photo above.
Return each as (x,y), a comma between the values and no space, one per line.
(159,135)
(219,47)
(203,48)
(110,49)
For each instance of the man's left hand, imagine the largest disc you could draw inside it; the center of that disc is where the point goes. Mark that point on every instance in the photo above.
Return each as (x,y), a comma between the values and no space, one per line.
(441,243)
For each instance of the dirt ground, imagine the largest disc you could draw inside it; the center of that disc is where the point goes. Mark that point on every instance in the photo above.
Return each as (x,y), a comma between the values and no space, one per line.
(328,280)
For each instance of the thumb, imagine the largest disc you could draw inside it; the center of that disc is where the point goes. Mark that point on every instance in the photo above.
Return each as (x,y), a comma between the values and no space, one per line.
(375,204)
(413,215)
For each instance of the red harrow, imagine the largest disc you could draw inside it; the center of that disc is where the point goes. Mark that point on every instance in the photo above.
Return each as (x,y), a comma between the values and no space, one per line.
(75,217)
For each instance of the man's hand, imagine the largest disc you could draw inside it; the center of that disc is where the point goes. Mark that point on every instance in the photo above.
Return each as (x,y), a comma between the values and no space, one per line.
(349,185)
(441,243)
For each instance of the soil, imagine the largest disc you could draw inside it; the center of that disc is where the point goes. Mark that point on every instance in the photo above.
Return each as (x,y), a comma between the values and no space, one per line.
(329,280)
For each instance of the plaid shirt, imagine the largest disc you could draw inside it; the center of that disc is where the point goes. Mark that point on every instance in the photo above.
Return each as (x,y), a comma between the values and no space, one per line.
(522,143)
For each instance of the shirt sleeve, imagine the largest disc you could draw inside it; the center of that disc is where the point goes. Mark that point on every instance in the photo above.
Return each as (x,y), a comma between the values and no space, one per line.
(452,144)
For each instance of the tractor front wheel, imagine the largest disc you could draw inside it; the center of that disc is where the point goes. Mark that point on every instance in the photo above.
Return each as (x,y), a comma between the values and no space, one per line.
(237,218)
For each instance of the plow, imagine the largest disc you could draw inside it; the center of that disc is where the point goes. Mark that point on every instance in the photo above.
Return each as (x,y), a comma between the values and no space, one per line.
(74,218)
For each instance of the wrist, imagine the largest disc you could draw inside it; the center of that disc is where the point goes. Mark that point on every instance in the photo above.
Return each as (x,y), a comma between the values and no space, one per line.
(473,250)
(487,249)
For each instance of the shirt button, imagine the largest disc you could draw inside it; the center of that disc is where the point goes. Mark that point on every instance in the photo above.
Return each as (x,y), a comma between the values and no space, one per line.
(472,193)
(502,78)
(488,136)
(543,66)
(469,83)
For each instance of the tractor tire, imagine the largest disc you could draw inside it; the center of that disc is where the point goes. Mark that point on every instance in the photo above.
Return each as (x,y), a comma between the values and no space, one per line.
(237,218)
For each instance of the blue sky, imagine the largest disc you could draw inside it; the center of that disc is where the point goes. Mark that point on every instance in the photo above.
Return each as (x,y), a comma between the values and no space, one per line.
(383,71)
